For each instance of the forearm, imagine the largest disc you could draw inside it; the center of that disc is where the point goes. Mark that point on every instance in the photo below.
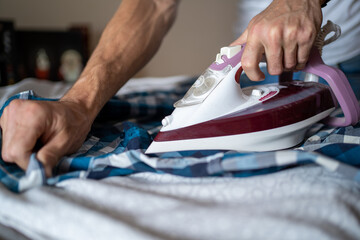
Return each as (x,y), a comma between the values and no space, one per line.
(128,42)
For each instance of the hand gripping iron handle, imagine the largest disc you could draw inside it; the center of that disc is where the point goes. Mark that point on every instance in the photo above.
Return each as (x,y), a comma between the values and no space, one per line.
(334,77)
(340,87)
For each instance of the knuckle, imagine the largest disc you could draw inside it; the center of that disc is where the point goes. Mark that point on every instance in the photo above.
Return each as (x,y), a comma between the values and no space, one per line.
(274,35)
(5,112)
(5,156)
(290,64)
(33,114)
(16,103)
(9,154)
(23,109)
(290,34)
(33,109)
(307,35)
(248,65)
(12,108)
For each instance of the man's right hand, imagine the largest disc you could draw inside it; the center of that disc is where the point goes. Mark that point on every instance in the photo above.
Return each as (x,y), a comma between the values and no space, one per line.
(285,32)
(59,127)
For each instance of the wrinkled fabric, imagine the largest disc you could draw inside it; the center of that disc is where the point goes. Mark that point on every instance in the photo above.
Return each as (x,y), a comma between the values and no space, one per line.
(127,124)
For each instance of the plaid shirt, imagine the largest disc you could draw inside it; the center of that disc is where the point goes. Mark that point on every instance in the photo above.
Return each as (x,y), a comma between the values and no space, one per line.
(127,124)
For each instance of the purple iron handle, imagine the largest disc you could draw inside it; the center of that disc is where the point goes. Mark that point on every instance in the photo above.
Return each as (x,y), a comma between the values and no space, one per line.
(340,87)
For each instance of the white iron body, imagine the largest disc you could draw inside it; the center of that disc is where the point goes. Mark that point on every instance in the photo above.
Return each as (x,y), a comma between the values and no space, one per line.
(268,140)
(216,114)
(223,100)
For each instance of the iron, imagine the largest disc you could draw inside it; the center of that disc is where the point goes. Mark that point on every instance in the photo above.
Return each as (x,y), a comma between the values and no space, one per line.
(216,113)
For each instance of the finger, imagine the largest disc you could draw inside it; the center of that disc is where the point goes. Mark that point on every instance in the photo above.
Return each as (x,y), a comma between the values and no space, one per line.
(290,57)
(303,53)
(305,43)
(251,57)
(290,46)
(242,39)
(274,58)
(20,133)
(18,144)
(52,151)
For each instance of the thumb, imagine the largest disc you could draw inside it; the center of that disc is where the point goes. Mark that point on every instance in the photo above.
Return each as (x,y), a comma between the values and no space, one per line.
(242,39)
(50,154)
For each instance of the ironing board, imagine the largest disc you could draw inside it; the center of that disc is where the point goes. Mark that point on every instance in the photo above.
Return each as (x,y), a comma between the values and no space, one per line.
(110,188)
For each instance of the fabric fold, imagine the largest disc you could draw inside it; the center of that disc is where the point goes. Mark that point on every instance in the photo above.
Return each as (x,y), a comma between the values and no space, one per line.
(116,148)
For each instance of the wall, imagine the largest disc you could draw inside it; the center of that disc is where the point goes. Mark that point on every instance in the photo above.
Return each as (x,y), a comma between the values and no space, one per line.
(201,28)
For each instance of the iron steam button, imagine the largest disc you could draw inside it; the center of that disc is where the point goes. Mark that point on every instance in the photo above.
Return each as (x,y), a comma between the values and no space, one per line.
(167,120)
(256,92)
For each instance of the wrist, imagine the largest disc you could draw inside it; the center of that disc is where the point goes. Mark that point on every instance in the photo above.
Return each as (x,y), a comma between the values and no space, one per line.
(79,105)
(83,94)
(96,85)
(71,108)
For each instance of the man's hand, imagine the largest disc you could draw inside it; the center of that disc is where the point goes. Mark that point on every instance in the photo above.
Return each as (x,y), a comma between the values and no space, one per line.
(59,128)
(285,31)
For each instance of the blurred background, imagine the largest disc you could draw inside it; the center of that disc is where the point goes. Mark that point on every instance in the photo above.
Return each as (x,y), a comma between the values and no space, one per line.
(45,31)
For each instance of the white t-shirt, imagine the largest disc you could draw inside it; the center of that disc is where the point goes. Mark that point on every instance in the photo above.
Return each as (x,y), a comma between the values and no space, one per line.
(345,13)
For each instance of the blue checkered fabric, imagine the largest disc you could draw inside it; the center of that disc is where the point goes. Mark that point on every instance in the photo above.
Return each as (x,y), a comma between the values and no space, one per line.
(127,125)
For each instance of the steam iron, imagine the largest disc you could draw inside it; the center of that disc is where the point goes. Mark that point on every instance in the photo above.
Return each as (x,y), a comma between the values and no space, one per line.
(216,113)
